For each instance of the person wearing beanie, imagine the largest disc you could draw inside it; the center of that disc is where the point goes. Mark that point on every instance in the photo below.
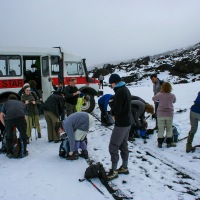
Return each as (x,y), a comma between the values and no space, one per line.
(114,78)
(31,100)
(22,91)
(121,109)
(76,127)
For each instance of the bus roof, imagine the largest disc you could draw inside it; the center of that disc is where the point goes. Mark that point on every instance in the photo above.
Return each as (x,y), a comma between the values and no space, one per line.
(37,51)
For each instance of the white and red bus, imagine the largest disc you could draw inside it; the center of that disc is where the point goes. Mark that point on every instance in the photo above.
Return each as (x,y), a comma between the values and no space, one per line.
(16,68)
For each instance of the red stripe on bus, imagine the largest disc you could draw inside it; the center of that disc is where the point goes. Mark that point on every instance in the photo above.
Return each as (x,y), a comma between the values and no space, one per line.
(11,83)
(80,80)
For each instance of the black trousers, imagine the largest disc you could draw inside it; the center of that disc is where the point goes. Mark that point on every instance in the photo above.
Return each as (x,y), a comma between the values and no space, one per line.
(156,108)
(101,84)
(20,124)
(103,114)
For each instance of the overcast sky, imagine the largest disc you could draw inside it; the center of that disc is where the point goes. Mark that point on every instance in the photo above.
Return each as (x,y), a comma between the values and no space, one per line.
(101,30)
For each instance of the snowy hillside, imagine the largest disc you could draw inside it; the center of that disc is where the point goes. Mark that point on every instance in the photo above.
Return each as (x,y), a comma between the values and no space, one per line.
(167,173)
(181,66)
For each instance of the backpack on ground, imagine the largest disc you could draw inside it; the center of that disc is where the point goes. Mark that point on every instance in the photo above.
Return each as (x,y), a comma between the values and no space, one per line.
(64,146)
(175,132)
(96,171)
(3,140)
(109,120)
(18,146)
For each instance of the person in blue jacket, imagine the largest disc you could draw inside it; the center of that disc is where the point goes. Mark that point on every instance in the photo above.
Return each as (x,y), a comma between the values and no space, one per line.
(103,105)
(194,119)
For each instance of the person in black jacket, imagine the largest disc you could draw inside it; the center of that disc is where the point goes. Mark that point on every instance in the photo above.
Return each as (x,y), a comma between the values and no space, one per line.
(60,87)
(121,110)
(71,96)
(13,115)
(53,109)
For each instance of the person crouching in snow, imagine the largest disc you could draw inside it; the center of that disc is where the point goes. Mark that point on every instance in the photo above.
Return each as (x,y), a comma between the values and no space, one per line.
(138,108)
(103,105)
(76,127)
(165,114)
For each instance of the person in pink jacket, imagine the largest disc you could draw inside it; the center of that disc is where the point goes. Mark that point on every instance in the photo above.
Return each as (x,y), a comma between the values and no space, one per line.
(165,113)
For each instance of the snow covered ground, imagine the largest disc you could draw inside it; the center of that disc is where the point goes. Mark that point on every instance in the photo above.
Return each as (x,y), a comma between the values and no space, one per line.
(167,173)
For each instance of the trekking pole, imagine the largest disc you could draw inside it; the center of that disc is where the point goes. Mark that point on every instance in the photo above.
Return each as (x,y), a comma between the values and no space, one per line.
(95,186)
(34,123)
(89,180)
(182,138)
(145,138)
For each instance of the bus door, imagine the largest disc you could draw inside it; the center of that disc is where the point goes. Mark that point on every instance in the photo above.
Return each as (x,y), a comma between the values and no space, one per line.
(46,79)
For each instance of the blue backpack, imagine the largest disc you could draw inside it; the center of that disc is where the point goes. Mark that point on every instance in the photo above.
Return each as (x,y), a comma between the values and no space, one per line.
(64,146)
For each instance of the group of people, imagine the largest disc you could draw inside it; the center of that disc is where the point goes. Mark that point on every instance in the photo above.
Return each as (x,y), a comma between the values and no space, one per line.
(164,100)
(23,111)
(127,110)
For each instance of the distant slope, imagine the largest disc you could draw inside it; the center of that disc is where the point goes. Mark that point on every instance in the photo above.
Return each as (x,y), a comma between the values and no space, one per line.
(182,65)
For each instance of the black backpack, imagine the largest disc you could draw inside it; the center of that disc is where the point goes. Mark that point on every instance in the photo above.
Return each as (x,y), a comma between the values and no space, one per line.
(96,171)
(18,146)
(3,140)
(64,146)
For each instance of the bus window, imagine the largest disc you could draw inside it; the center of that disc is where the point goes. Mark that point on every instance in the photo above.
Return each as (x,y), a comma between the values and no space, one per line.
(2,67)
(14,66)
(55,65)
(10,66)
(74,68)
(45,66)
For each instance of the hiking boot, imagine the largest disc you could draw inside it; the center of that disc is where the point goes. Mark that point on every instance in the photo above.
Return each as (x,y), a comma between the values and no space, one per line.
(104,124)
(172,144)
(39,135)
(83,155)
(9,155)
(50,141)
(112,175)
(27,141)
(72,157)
(56,141)
(160,142)
(190,148)
(159,145)
(123,170)
(25,153)
(131,138)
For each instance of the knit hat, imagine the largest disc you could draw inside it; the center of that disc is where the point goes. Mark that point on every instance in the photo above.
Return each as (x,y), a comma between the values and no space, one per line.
(114,78)
(26,87)
(26,84)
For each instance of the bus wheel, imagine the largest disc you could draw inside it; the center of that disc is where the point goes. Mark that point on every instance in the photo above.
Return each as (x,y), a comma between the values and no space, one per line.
(89,105)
